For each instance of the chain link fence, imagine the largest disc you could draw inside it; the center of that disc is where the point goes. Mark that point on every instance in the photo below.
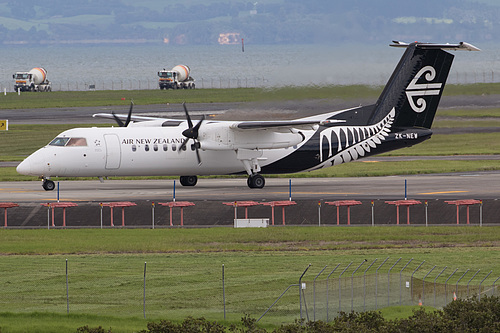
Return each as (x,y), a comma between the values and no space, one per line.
(455,77)
(147,84)
(130,286)
(377,284)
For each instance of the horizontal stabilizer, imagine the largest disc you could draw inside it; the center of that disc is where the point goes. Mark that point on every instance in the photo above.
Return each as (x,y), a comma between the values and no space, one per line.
(457,47)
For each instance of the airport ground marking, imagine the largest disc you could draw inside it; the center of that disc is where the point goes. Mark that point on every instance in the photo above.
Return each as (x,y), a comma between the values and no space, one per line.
(444,192)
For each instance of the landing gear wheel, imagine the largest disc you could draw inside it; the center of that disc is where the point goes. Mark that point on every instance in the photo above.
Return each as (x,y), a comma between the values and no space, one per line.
(256,181)
(48,185)
(188,180)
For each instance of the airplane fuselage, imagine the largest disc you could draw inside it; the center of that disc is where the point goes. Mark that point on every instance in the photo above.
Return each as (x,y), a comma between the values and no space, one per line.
(154,151)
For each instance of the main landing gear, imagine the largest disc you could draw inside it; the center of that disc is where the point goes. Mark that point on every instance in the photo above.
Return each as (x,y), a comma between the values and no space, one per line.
(188,180)
(256,181)
(48,185)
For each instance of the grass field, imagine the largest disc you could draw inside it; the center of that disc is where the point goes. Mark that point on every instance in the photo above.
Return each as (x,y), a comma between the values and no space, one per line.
(145,97)
(184,268)
(106,267)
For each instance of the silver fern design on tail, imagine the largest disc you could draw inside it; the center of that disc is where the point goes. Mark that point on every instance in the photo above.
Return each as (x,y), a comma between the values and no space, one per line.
(359,140)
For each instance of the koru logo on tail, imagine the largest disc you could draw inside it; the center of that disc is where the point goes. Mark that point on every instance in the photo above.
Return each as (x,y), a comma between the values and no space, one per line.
(415,89)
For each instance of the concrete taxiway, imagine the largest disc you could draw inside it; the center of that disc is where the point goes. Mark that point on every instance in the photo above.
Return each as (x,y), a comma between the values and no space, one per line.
(482,185)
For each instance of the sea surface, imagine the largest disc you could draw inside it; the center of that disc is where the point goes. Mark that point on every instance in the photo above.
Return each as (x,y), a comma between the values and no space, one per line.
(76,67)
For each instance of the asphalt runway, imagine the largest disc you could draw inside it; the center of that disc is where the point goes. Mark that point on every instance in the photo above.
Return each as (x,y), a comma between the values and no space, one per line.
(483,185)
(448,186)
(223,111)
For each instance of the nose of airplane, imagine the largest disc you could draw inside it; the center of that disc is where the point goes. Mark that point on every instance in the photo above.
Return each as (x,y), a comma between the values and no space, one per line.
(24,168)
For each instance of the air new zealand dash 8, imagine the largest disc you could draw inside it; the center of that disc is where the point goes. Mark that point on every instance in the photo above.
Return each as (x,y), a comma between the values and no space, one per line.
(146,146)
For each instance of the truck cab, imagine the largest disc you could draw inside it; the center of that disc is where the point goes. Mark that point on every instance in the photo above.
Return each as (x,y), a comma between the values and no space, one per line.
(23,81)
(167,79)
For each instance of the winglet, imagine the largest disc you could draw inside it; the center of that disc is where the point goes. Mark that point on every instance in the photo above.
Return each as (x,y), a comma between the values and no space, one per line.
(462,46)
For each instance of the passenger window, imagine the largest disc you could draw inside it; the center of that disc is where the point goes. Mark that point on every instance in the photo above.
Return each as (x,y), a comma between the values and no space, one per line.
(165,147)
(134,147)
(146,147)
(174,148)
(155,147)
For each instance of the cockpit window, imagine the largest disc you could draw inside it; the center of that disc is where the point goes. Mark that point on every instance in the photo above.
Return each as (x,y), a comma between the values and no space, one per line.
(61,142)
(77,142)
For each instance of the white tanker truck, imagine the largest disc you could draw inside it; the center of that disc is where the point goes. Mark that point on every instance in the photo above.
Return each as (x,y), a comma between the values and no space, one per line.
(177,78)
(34,80)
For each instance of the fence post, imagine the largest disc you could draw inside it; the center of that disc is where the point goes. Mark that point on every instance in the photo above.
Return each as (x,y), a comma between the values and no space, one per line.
(153,214)
(224,291)
(445,267)
(67,288)
(456,286)
(470,281)
(493,289)
(352,284)
(482,282)
(400,282)
(48,216)
(373,214)
(144,293)
(364,284)
(340,287)
(416,269)
(423,284)
(426,213)
(445,287)
(376,281)
(389,281)
(300,290)
(327,289)
(314,292)
(481,213)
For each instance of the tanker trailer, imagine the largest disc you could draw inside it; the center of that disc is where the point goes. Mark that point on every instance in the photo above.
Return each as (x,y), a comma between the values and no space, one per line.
(177,78)
(34,80)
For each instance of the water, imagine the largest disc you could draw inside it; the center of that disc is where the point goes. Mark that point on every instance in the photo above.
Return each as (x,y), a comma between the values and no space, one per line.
(135,66)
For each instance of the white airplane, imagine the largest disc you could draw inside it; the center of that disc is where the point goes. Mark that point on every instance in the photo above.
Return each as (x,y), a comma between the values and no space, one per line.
(145,146)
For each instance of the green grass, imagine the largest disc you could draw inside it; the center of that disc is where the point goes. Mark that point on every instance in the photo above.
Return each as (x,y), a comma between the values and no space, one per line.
(52,242)
(469,123)
(57,322)
(454,144)
(184,270)
(469,113)
(145,97)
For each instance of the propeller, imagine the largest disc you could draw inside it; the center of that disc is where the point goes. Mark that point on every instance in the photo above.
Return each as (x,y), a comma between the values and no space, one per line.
(119,121)
(191,133)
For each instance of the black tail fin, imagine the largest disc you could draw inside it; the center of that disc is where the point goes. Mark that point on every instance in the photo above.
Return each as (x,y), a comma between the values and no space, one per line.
(415,88)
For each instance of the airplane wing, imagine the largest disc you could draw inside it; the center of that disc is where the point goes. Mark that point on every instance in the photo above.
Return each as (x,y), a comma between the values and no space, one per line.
(124,117)
(282,124)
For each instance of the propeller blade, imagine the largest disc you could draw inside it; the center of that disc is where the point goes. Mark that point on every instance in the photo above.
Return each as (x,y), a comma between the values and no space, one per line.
(197,127)
(118,120)
(197,153)
(191,133)
(183,144)
(129,113)
(190,123)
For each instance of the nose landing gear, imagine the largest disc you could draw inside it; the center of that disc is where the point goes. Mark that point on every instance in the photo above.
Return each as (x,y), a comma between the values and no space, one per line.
(48,185)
